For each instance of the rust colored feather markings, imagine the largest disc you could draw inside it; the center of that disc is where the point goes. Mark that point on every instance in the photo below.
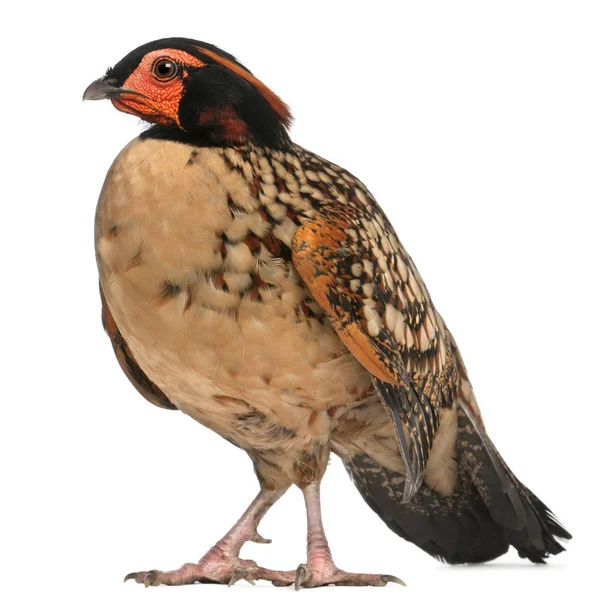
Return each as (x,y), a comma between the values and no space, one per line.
(112,233)
(218,280)
(252,243)
(233,127)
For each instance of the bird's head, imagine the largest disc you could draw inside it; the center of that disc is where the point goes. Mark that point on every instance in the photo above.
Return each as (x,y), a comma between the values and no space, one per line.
(191,90)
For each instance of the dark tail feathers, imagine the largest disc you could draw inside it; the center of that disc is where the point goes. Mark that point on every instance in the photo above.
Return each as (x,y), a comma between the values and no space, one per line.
(489,510)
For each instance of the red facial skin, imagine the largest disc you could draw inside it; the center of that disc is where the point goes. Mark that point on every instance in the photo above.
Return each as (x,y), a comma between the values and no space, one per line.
(162,97)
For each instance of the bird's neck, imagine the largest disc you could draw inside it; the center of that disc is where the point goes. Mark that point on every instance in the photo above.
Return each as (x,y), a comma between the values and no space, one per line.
(223,127)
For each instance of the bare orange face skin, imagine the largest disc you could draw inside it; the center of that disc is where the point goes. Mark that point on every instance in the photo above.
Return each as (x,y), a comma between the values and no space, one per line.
(162,97)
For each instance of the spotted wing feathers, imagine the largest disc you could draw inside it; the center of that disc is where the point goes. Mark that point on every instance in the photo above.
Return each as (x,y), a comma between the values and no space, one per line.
(354,265)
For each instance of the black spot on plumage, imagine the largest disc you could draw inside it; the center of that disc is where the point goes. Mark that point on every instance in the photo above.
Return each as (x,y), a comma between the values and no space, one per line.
(234,208)
(192,157)
(170,289)
(259,424)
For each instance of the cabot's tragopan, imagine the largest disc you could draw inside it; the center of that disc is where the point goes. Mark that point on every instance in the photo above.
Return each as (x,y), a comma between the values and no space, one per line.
(260,289)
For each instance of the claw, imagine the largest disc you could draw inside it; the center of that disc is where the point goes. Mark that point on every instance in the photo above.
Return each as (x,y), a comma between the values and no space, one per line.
(302,575)
(240,574)
(129,576)
(258,539)
(150,578)
(393,579)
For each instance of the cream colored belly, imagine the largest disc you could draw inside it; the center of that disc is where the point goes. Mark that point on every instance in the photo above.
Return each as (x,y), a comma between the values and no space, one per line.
(214,353)
(201,358)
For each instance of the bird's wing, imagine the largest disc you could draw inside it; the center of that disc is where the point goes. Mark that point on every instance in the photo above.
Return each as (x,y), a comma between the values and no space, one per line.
(354,265)
(132,370)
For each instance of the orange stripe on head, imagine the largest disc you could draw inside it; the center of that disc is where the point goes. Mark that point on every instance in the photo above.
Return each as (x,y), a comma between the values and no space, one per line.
(278,106)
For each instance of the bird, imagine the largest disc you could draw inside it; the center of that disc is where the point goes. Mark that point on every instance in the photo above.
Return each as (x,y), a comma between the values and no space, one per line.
(260,289)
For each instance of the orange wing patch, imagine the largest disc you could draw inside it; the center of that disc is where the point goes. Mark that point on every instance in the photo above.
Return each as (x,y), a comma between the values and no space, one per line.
(312,245)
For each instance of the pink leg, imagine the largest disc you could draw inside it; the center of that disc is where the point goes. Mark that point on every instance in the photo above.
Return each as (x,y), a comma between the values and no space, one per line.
(320,568)
(221,564)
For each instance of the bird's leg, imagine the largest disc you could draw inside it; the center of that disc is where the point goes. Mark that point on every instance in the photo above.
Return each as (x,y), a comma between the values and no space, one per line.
(221,564)
(320,568)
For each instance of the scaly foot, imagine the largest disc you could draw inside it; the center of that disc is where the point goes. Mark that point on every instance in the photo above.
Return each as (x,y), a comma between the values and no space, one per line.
(226,570)
(216,566)
(222,570)
(318,574)
(221,564)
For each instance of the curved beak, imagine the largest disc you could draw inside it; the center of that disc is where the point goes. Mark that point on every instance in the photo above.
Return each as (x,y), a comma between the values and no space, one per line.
(102,89)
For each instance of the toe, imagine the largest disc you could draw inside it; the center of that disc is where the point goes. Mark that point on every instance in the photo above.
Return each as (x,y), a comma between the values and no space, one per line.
(147,578)
(151,578)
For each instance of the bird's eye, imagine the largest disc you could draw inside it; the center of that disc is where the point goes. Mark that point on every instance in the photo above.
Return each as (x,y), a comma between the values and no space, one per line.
(165,69)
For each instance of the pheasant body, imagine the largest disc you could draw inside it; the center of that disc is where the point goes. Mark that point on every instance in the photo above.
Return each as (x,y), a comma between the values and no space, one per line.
(261,290)
(224,304)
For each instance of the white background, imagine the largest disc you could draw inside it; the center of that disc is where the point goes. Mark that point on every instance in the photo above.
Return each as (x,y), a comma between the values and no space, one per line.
(468,120)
